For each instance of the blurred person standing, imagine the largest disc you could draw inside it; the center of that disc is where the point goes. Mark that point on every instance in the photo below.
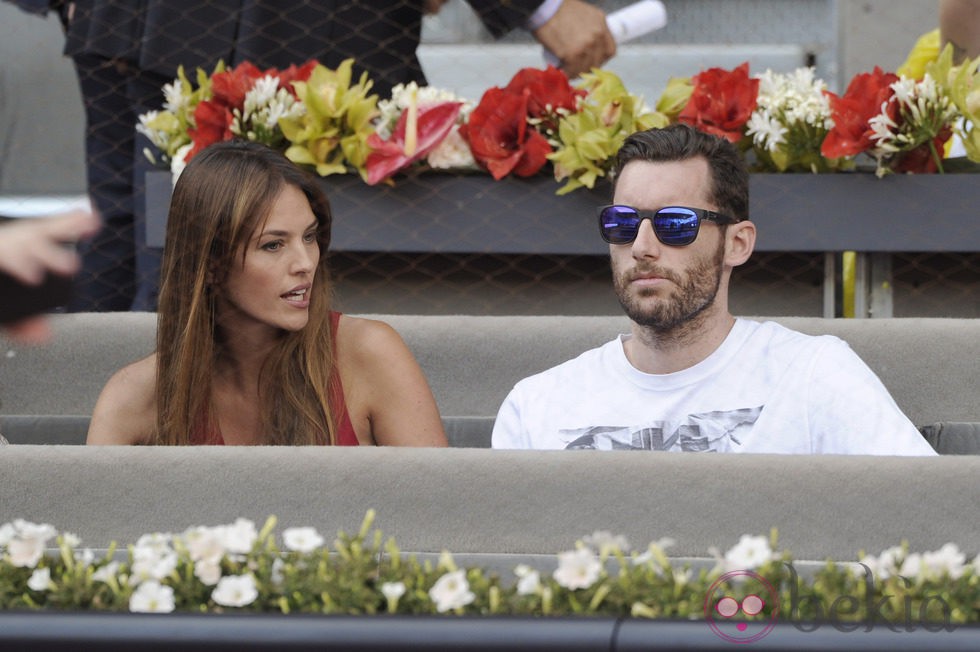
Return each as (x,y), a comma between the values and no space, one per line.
(125,52)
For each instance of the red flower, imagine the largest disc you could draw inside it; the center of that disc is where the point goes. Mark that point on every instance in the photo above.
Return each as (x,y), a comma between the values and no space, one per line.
(229,88)
(389,156)
(548,90)
(922,159)
(500,138)
(213,117)
(294,73)
(213,121)
(721,102)
(851,113)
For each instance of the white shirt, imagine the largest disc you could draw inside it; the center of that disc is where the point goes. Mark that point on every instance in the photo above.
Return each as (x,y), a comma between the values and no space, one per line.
(766,389)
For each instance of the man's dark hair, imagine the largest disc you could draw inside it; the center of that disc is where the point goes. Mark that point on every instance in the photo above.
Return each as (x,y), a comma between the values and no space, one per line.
(679,142)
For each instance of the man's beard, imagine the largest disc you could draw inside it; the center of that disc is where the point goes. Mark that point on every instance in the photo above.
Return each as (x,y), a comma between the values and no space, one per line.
(678,313)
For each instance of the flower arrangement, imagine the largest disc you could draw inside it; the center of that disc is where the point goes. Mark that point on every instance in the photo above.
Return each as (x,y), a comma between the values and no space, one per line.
(237,567)
(783,122)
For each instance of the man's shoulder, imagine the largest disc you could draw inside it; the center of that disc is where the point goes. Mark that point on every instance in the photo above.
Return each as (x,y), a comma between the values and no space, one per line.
(776,333)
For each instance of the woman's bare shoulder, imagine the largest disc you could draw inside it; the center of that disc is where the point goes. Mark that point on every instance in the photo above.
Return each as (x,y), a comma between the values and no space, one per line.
(126,410)
(360,336)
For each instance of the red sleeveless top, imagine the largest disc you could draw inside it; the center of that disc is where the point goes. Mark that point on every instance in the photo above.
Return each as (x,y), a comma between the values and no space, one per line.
(345,429)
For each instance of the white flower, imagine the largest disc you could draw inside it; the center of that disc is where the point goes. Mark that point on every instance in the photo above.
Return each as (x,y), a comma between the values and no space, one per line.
(276,575)
(791,111)
(179,161)
(393,590)
(766,130)
(451,591)
(85,557)
(577,569)
(153,558)
(655,554)
(71,540)
(205,544)
(208,571)
(922,114)
(40,580)
(174,98)
(529,582)
(153,544)
(26,542)
(912,566)
(153,567)
(302,539)
(152,597)
(240,536)
(235,591)
(263,91)
(887,563)
(948,560)
(402,95)
(452,153)
(604,540)
(750,552)
(107,572)
(682,576)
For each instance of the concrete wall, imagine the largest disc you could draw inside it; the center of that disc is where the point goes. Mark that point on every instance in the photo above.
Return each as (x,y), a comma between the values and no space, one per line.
(881,32)
(42,123)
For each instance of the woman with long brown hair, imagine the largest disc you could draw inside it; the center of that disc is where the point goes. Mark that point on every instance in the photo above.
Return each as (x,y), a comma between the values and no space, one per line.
(248,349)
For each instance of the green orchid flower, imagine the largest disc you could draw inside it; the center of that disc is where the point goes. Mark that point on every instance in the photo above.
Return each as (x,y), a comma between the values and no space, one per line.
(962,84)
(589,138)
(332,135)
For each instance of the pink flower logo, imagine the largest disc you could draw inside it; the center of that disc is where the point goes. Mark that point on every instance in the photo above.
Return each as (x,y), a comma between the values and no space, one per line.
(744,620)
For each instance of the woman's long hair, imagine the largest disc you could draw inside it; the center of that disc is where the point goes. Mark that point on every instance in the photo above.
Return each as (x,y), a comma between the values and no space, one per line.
(224,195)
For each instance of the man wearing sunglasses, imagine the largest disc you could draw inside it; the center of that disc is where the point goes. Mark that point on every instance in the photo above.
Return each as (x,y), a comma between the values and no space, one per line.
(689,376)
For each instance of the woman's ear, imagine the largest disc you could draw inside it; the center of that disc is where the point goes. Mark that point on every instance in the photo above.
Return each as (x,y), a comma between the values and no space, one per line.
(211,278)
(739,242)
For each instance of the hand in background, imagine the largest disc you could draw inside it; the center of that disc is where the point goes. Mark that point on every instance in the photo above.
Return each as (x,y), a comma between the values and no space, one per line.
(30,248)
(578,35)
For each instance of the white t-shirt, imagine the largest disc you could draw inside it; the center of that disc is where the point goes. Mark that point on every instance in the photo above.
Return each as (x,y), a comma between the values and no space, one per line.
(766,389)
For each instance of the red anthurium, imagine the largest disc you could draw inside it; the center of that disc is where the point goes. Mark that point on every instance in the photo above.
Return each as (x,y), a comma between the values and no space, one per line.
(548,90)
(398,152)
(851,113)
(499,136)
(722,101)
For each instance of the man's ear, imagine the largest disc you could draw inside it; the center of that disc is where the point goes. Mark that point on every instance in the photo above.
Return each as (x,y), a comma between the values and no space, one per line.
(739,242)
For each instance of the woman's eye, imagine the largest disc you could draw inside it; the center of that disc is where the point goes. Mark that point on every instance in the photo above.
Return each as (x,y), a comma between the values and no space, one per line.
(272,246)
(310,237)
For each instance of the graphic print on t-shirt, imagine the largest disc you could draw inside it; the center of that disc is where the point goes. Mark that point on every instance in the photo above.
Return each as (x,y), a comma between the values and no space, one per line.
(715,432)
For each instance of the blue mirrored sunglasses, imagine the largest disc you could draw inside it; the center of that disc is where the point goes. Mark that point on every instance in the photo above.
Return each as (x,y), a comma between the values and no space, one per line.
(676,226)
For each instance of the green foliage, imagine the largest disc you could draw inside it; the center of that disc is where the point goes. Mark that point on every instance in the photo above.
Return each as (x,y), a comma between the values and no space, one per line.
(364,573)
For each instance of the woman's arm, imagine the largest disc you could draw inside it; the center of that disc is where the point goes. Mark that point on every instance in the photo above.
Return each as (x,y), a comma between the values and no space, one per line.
(959,24)
(388,397)
(125,413)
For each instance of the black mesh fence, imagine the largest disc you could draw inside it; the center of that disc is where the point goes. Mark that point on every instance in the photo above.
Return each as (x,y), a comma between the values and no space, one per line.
(452,246)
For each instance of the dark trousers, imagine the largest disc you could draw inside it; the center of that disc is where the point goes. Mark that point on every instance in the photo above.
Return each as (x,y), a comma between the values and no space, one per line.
(119,272)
